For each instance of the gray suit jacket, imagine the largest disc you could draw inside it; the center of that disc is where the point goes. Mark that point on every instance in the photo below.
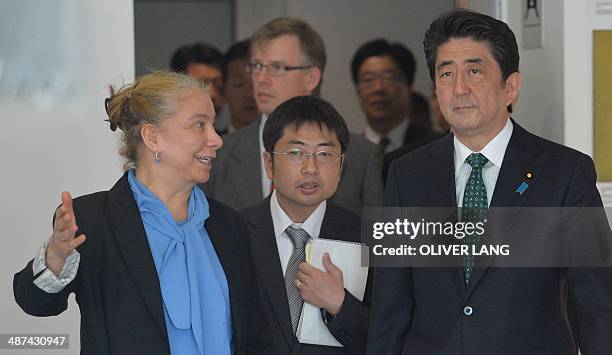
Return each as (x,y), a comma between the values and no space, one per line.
(236,174)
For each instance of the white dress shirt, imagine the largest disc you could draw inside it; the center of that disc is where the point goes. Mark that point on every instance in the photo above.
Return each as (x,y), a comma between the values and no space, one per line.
(396,135)
(280,220)
(265,182)
(494,151)
(47,281)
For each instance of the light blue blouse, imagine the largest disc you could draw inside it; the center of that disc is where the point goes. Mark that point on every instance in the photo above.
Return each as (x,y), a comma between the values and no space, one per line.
(193,285)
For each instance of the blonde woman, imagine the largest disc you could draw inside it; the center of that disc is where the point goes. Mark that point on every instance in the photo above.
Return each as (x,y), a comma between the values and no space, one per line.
(156,266)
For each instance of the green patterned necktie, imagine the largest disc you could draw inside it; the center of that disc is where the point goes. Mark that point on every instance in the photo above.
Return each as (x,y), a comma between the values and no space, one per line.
(475,206)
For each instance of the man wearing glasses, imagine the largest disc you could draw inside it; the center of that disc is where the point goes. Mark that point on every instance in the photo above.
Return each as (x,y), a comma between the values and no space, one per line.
(305,140)
(287,59)
(383,74)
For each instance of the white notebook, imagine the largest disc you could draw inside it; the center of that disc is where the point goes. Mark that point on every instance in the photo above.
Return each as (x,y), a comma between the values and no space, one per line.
(347,257)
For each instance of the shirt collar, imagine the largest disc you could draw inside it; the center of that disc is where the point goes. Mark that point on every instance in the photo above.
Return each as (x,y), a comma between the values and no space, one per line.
(231,128)
(280,219)
(262,123)
(494,150)
(396,135)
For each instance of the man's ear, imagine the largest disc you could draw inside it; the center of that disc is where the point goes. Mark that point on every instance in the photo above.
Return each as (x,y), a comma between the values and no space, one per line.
(313,78)
(341,167)
(269,165)
(513,86)
(151,137)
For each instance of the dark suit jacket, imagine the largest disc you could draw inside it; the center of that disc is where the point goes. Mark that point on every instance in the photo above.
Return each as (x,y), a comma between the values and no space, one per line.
(349,326)
(236,175)
(415,137)
(117,287)
(515,310)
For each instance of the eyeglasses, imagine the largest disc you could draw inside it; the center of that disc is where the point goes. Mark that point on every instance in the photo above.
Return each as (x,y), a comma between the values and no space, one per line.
(274,69)
(388,79)
(300,156)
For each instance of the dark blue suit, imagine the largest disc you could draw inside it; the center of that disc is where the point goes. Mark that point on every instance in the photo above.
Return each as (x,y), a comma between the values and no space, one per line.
(513,310)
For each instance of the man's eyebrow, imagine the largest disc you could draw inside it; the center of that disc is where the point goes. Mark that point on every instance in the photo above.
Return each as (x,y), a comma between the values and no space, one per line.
(322,144)
(445,63)
(295,141)
(474,61)
(469,60)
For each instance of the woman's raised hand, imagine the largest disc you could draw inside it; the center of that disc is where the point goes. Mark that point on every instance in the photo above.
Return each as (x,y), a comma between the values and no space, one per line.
(63,241)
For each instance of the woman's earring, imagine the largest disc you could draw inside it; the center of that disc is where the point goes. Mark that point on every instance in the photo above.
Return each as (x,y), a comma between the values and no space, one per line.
(157,158)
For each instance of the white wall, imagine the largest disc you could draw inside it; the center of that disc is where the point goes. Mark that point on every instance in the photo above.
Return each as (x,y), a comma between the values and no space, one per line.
(344,26)
(540,106)
(67,147)
(580,21)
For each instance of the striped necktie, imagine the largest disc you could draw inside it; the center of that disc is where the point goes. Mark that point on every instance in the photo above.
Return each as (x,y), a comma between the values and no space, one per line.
(299,237)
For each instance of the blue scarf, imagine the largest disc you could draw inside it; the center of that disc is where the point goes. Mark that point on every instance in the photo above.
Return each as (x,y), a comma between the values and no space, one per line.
(192,281)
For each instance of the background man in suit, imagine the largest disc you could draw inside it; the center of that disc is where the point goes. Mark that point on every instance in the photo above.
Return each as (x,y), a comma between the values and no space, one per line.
(305,140)
(287,60)
(473,60)
(383,74)
(238,88)
(203,62)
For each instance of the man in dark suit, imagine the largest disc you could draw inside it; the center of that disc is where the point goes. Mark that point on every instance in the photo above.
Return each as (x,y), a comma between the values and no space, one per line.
(203,62)
(237,87)
(383,74)
(287,60)
(305,140)
(475,308)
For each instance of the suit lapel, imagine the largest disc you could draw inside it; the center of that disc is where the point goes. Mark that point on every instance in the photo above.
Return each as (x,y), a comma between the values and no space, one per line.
(128,230)
(267,262)
(518,162)
(441,181)
(333,224)
(246,158)
(225,246)
(413,134)
(441,189)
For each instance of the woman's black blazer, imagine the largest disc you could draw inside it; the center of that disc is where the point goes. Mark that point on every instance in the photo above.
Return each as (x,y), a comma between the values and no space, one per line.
(117,287)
